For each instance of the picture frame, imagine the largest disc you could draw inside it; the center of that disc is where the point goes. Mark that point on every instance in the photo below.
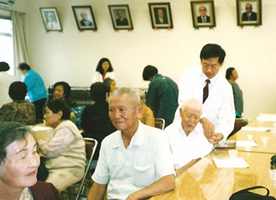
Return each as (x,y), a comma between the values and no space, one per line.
(161,15)
(203,13)
(249,12)
(120,17)
(50,19)
(84,17)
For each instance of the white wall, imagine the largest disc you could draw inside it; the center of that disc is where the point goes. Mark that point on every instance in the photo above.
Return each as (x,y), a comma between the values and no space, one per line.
(72,56)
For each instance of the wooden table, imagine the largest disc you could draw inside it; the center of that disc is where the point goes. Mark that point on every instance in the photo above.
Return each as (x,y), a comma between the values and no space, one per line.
(205,181)
(270,147)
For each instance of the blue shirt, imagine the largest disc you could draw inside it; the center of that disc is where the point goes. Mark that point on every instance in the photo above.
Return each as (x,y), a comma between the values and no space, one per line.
(35,86)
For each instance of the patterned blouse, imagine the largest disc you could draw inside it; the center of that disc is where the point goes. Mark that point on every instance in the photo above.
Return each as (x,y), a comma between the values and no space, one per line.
(18,111)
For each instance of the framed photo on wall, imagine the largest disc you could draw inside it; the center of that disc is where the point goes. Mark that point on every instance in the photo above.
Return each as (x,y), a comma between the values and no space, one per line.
(120,17)
(249,12)
(84,17)
(161,15)
(50,19)
(203,13)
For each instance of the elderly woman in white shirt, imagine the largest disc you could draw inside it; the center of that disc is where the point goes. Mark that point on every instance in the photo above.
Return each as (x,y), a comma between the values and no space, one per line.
(64,152)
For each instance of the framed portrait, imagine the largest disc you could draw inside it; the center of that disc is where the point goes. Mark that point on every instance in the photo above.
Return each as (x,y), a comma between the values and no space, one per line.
(50,19)
(249,12)
(161,15)
(203,13)
(120,17)
(84,17)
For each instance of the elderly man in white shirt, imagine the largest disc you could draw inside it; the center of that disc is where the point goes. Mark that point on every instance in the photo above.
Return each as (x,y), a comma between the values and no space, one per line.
(208,85)
(188,143)
(135,162)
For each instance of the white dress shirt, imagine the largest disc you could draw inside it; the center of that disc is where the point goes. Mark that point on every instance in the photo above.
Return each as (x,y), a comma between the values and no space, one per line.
(98,77)
(186,148)
(218,107)
(5,81)
(127,170)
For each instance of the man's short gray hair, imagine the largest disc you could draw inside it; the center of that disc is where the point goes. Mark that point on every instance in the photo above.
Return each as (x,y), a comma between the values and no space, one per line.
(188,103)
(132,94)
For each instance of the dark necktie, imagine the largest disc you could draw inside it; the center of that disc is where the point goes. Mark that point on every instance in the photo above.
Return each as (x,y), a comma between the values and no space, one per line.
(206,90)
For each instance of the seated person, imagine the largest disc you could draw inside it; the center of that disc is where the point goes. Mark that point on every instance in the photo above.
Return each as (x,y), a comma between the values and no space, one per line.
(64,152)
(62,91)
(18,165)
(147,115)
(110,83)
(188,143)
(135,161)
(19,110)
(95,120)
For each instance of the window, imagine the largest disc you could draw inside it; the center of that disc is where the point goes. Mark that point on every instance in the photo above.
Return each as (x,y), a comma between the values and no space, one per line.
(6,47)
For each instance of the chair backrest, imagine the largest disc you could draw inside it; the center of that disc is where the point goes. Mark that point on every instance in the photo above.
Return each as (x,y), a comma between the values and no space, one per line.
(159,123)
(90,148)
(239,123)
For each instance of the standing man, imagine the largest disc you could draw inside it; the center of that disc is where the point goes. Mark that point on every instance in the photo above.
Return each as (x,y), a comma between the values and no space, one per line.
(5,81)
(121,20)
(203,18)
(188,143)
(135,162)
(35,89)
(207,85)
(162,94)
(249,15)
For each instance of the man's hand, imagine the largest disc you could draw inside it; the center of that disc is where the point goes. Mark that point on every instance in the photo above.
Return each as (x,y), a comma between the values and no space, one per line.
(216,138)
(208,128)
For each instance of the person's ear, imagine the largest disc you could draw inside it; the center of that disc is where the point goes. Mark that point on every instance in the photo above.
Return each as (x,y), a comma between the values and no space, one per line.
(60,113)
(140,110)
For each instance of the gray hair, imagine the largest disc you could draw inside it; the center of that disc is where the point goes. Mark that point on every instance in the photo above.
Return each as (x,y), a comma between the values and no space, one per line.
(132,94)
(10,132)
(189,103)
(142,95)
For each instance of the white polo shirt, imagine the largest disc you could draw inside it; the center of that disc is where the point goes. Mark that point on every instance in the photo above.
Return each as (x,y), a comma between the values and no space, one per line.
(186,148)
(146,160)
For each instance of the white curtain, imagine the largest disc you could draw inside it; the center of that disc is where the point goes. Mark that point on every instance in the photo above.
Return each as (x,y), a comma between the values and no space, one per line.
(19,40)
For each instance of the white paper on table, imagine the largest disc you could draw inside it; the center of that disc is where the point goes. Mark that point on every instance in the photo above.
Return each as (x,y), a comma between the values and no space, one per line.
(230,163)
(40,128)
(245,143)
(245,128)
(266,117)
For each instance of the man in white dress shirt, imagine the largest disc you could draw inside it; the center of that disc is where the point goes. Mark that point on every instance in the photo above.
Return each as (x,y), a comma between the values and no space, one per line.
(188,143)
(218,113)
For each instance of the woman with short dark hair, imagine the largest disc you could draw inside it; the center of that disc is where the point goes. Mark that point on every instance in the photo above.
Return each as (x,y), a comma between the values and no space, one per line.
(19,162)
(35,88)
(64,152)
(232,76)
(19,110)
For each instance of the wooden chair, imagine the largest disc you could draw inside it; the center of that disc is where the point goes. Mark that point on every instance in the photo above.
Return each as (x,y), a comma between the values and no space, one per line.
(239,123)
(159,123)
(90,148)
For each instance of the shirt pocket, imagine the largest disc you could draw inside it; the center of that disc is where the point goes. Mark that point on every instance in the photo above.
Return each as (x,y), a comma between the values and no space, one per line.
(143,175)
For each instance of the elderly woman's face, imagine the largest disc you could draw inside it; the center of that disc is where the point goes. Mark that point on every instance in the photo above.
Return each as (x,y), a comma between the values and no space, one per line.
(52,119)
(19,168)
